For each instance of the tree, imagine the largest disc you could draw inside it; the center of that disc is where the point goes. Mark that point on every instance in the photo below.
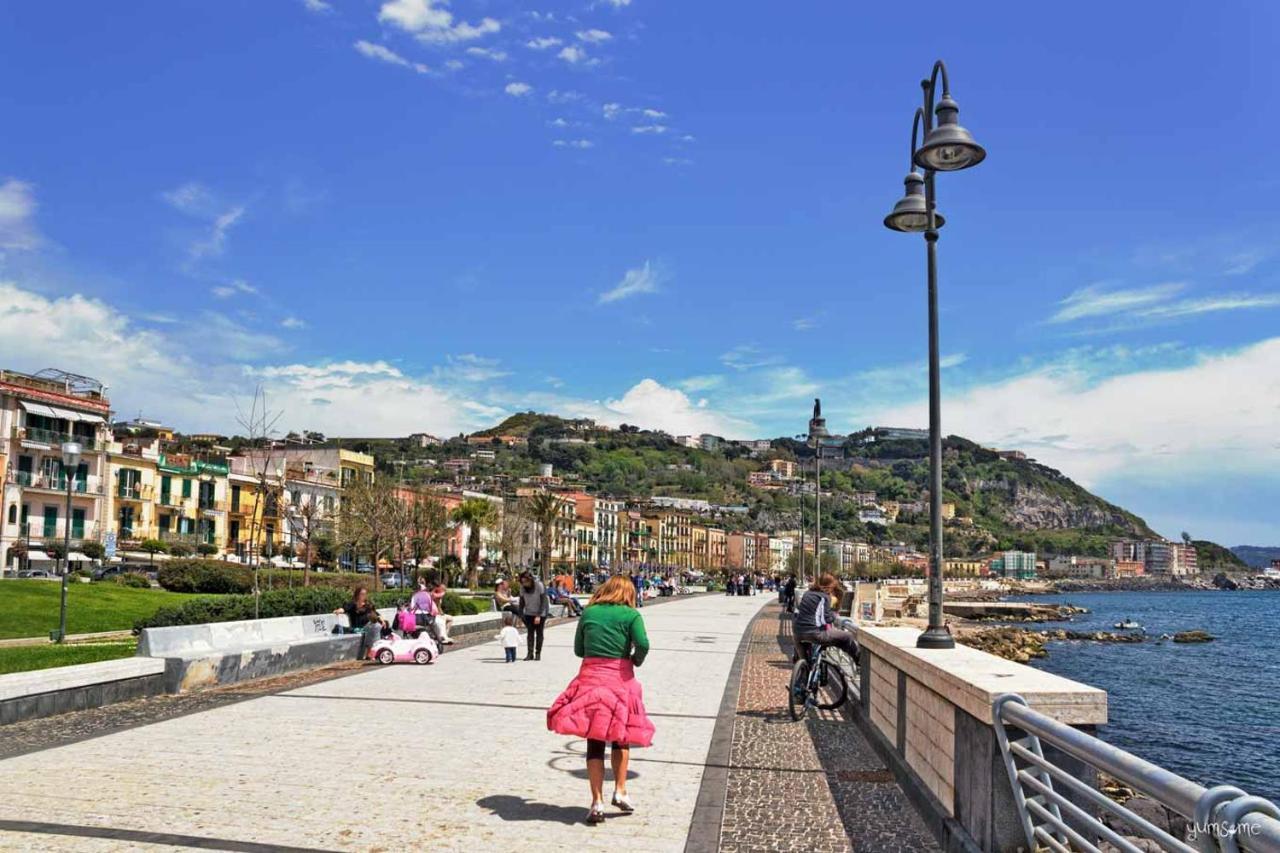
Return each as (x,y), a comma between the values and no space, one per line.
(180,549)
(206,549)
(153,547)
(544,510)
(307,520)
(325,548)
(259,424)
(476,513)
(514,534)
(367,521)
(428,524)
(54,549)
(93,550)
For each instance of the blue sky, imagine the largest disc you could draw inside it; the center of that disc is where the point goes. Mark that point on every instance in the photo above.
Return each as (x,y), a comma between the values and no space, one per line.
(413,215)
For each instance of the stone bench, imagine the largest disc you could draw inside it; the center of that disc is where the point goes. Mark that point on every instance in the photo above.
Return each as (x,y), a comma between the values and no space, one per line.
(226,652)
(45,692)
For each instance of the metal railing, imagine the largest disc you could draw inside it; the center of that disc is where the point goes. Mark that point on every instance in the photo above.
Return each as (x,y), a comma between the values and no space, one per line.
(48,436)
(134,493)
(87,485)
(173,500)
(1224,818)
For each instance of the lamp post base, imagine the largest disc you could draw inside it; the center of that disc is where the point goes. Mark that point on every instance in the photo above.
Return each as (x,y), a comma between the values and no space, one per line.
(937,637)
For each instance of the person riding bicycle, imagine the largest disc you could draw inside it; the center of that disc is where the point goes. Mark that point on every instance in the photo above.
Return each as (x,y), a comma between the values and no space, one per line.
(816,615)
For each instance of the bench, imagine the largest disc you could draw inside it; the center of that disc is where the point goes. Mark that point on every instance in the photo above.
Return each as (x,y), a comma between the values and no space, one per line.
(45,692)
(227,652)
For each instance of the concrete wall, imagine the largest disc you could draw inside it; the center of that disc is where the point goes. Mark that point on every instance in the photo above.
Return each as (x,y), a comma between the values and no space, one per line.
(928,711)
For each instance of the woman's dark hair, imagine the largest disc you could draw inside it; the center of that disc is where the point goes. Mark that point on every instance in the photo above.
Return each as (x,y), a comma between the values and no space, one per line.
(355,593)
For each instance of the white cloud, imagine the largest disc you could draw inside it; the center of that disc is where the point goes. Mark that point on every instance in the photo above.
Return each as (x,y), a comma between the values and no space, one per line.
(543,43)
(386,54)
(642,279)
(454,64)
(1211,304)
(195,200)
(293,323)
(317,6)
(677,161)
(192,198)
(469,367)
(432,24)
(558,122)
(652,405)
(652,113)
(573,143)
(17,215)
(225,291)
(688,137)
(694,384)
(557,96)
(1095,301)
(215,242)
(572,54)
(612,110)
(804,324)
(594,36)
(518,90)
(650,128)
(617,4)
(748,357)
(489,53)
(1215,415)
(1242,263)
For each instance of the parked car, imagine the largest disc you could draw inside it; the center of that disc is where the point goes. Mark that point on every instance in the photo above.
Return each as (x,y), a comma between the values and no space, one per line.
(38,574)
(394,579)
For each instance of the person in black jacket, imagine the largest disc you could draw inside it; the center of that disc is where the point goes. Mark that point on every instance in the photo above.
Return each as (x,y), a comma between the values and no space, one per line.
(789,594)
(816,615)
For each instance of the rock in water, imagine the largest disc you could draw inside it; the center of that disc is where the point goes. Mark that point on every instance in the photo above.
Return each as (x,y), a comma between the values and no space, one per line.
(1221,581)
(1196,636)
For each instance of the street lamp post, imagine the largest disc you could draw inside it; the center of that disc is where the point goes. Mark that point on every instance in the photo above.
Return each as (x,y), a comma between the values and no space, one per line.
(70,462)
(948,147)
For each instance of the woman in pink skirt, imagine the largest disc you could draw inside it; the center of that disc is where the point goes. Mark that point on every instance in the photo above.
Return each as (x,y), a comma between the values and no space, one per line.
(605,702)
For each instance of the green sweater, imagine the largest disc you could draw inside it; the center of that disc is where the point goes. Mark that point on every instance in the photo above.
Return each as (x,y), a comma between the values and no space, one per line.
(611,631)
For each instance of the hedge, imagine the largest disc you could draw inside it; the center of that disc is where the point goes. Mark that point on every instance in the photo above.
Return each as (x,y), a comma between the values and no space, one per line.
(208,576)
(299,601)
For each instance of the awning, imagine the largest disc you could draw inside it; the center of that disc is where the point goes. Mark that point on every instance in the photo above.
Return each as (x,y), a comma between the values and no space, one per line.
(68,414)
(39,557)
(77,557)
(37,409)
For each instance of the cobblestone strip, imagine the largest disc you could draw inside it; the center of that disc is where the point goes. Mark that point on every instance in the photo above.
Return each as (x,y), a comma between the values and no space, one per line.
(807,786)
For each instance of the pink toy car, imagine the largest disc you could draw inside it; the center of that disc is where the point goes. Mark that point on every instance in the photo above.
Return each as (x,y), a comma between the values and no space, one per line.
(397,649)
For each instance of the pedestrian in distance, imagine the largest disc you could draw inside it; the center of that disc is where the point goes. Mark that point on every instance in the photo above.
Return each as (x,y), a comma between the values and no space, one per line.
(535,607)
(605,703)
(443,621)
(509,637)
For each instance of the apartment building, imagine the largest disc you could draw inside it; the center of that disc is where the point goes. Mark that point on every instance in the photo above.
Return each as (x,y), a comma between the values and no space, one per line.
(1173,559)
(40,414)
(132,489)
(255,494)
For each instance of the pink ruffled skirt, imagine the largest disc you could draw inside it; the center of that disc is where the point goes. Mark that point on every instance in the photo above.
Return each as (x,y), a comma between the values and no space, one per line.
(604,702)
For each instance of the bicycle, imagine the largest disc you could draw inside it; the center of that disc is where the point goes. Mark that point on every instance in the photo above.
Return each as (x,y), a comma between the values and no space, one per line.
(818,681)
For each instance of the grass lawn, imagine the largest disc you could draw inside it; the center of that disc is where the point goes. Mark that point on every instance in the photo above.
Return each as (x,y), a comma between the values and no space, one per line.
(29,608)
(24,658)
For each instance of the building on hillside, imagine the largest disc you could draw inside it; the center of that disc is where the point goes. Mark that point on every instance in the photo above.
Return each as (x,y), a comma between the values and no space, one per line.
(1020,565)
(1129,550)
(756,446)
(873,516)
(678,503)
(709,442)
(784,468)
(1096,568)
(484,455)
(424,439)
(1129,568)
(1173,559)
(780,548)
(964,568)
(39,414)
(691,441)
(1013,455)
(865,499)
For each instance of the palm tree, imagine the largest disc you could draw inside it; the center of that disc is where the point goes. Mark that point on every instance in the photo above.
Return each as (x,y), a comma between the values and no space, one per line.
(475,513)
(544,509)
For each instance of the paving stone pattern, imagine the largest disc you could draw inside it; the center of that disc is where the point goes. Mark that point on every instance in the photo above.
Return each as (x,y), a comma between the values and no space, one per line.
(806,786)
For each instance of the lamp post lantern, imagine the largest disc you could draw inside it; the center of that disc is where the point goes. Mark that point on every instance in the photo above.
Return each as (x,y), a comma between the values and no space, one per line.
(948,147)
(70,462)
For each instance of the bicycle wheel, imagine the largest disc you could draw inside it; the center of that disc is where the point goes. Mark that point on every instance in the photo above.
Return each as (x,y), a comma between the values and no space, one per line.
(834,690)
(798,689)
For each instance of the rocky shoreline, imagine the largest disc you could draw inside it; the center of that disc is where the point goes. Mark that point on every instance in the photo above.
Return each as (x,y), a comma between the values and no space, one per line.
(1219,582)
(1022,645)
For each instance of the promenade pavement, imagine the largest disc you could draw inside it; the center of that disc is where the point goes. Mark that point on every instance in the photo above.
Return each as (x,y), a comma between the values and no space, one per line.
(454,756)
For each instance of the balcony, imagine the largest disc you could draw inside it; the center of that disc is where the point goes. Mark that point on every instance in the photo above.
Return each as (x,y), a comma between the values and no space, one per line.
(192,539)
(53,438)
(37,533)
(212,506)
(45,482)
(173,501)
(134,493)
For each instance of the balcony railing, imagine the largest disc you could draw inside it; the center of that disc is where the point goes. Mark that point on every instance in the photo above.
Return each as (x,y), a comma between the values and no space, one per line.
(134,493)
(37,533)
(38,480)
(172,500)
(48,436)
(213,506)
(185,538)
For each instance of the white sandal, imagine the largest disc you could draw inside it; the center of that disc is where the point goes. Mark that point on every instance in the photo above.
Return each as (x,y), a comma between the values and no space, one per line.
(596,813)
(623,801)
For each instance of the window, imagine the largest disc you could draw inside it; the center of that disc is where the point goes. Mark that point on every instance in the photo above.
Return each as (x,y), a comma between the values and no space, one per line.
(50,521)
(164,524)
(235,498)
(13,513)
(77,524)
(166,487)
(126,522)
(186,487)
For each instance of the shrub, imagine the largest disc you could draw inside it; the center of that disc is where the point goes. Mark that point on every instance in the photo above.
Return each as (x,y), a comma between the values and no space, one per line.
(132,579)
(207,576)
(153,546)
(181,549)
(206,550)
(230,608)
(93,550)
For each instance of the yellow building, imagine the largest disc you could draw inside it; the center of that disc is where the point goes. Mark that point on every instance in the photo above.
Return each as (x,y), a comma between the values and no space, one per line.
(190,501)
(132,488)
(701,547)
(964,568)
(255,489)
(717,549)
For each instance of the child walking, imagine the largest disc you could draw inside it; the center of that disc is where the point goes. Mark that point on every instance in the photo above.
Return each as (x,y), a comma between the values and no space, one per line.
(509,637)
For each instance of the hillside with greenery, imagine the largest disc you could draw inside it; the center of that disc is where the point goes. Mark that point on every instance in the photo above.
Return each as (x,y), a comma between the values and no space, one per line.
(1211,555)
(1000,502)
